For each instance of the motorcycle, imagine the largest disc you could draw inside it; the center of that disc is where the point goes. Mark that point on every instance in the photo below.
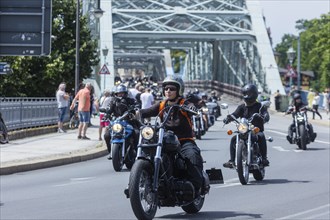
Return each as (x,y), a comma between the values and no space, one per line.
(158,177)
(211,112)
(3,131)
(301,130)
(123,150)
(199,123)
(214,107)
(248,158)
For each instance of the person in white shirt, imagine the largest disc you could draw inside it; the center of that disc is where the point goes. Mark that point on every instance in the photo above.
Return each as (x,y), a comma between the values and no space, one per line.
(62,104)
(316,102)
(147,100)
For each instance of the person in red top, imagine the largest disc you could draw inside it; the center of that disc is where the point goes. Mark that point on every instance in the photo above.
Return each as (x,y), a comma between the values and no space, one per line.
(84,103)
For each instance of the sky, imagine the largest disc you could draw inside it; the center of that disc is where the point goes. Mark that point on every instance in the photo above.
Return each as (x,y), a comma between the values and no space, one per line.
(281,15)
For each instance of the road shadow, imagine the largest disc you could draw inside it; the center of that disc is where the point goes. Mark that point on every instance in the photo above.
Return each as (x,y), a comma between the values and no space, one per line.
(210,215)
(277,181)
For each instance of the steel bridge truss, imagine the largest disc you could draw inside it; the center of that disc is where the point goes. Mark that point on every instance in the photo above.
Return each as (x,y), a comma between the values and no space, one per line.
(217,36)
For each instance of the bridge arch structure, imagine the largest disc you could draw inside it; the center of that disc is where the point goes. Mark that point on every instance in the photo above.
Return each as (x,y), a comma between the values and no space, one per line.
(223,40)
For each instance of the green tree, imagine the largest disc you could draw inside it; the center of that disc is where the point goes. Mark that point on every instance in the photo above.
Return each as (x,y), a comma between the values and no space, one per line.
(314,49)
(40,76)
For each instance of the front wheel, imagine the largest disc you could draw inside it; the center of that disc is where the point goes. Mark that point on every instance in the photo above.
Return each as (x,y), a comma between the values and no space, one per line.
(117,159)
(195,206)
(303,138)
(242,166)
(143,199)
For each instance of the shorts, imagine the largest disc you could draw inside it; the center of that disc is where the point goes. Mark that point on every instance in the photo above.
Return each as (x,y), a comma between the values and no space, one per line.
(103,123)
(61,114)
(84,117)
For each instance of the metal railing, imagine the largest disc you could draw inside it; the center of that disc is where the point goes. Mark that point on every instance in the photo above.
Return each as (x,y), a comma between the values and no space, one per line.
(27,112)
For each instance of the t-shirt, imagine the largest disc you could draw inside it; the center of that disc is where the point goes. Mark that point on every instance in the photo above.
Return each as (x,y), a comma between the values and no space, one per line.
(84,98)
(61,101)
(146,100)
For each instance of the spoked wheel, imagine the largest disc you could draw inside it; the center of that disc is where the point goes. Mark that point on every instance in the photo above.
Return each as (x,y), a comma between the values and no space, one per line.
(3,133)
(117,159)
(74,122)
(195,206)
(143,199)
(242,166)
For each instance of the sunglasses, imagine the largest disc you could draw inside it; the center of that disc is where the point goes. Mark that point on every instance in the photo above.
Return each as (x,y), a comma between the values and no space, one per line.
(170,88)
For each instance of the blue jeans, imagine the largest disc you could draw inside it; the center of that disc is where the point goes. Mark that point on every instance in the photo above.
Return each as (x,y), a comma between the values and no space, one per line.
(84,117)
(61,113)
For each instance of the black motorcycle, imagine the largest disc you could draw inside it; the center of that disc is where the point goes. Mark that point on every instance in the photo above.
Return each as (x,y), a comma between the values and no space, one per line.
(158,177)
(248,158)
(302,133)
(3,131)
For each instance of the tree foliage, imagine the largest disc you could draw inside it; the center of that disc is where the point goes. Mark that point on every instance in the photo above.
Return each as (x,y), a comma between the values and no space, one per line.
(40,76)
(314,49)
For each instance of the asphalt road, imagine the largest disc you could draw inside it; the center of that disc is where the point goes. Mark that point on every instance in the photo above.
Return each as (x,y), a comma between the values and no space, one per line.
(296,185)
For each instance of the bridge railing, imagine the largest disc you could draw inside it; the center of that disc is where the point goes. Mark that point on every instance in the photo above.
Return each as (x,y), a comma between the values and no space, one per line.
(27,112)
(220,87)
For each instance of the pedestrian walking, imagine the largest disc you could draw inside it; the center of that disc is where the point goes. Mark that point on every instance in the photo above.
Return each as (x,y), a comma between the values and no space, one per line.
(310,97)
(277,97)
(316,103)
(62,99)
(325,102)
(84,103)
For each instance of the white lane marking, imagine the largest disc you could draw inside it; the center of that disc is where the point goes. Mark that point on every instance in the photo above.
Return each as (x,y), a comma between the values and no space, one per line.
(317,216)
(277,132)
(279,148)
(285,134)
(304,212)
(74,181)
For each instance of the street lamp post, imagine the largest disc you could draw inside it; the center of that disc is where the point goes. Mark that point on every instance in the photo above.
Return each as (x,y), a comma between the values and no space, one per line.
(105,54)
(291,55)
(298,64)
(76,81)
(97,13)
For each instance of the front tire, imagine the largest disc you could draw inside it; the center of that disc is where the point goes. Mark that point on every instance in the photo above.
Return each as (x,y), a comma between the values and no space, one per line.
(242,166)
(143,199)
(303,138)
(117,159)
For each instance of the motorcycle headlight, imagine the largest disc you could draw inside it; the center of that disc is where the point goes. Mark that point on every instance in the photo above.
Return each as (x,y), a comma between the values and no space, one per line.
(147,133)
(205,110)
(117,128)
(242,128)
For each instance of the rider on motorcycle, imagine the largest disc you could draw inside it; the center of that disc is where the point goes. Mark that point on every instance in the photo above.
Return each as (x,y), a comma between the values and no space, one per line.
(214,96)
(118,105)
(180,123)
(246,110)
(296,105)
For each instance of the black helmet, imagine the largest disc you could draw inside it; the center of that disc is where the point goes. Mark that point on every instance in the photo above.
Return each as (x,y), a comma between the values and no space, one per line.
(250,93)
(121,89)
(196,91)
(176,81)
(297,96)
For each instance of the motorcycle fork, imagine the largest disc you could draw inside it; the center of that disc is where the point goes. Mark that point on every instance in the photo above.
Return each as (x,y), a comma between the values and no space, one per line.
(249,148)
(194,122)
(236,149)
(158,159)
(202,121)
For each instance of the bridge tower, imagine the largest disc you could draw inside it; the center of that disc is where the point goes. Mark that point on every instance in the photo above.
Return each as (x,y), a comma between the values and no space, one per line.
(223,40)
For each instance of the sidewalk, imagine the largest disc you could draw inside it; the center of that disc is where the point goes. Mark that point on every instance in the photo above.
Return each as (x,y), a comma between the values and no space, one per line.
(48,150)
